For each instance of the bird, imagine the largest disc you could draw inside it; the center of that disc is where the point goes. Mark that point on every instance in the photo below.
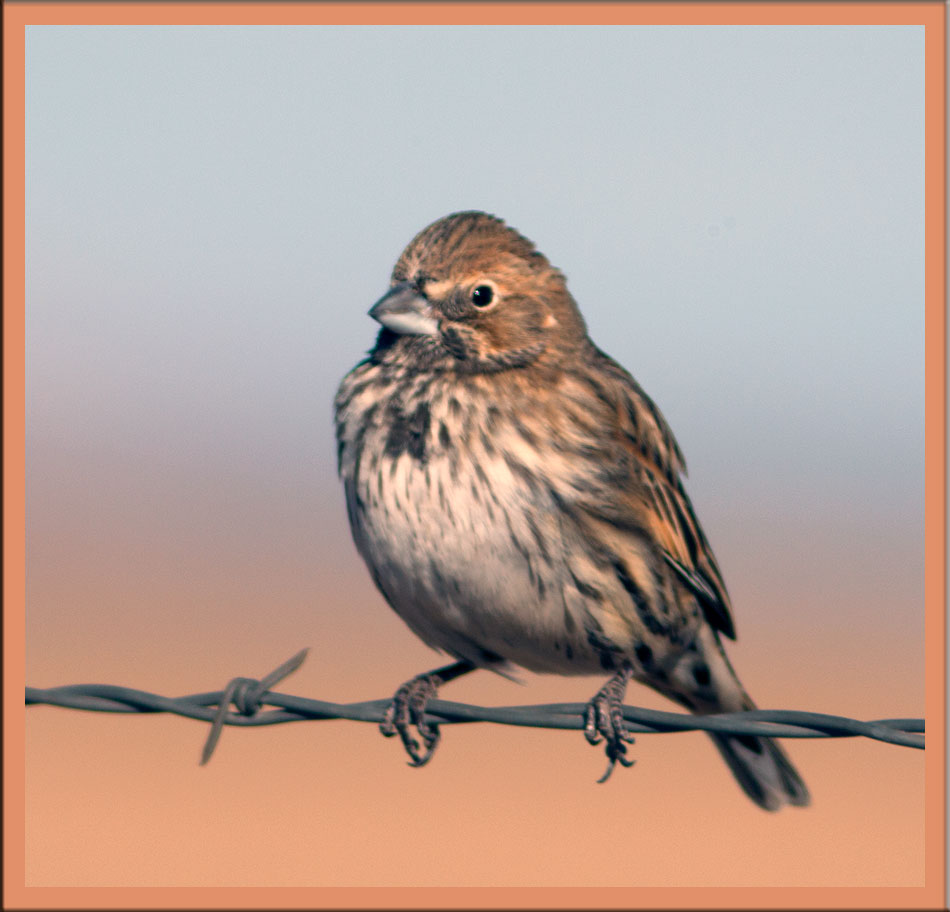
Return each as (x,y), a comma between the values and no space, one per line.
(519,501)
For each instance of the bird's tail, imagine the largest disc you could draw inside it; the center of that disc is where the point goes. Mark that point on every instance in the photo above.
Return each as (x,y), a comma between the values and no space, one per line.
(763,770)
(705,682)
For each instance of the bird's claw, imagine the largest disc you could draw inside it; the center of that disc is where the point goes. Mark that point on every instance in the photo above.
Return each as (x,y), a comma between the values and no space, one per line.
(408,709)
(616,751)
(603,721)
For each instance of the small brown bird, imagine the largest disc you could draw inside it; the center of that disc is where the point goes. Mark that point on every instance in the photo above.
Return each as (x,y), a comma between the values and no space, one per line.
(518,499)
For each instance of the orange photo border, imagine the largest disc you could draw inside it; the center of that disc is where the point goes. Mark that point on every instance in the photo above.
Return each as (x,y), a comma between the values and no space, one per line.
(18,15)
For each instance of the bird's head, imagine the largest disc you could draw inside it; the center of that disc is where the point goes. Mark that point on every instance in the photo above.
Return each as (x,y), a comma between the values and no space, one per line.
(478,297)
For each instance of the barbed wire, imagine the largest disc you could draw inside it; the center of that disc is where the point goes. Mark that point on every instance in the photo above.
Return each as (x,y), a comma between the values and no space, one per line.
(249,696)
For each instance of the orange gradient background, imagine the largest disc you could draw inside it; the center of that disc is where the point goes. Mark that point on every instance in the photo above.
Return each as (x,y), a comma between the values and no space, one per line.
(173,567)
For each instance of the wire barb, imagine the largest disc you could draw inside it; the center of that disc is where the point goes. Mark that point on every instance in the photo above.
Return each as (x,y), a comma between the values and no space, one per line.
(249,697)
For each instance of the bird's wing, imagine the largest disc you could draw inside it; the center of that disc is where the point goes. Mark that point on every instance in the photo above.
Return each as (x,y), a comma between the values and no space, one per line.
(649,468)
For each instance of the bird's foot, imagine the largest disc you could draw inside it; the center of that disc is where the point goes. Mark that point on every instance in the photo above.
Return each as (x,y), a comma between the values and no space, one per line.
(408,709)
(603,721)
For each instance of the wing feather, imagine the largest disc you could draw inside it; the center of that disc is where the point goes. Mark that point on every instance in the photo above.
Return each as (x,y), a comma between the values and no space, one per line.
(650,459)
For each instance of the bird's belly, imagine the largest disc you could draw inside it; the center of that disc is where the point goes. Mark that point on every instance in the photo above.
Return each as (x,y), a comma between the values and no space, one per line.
(472,560)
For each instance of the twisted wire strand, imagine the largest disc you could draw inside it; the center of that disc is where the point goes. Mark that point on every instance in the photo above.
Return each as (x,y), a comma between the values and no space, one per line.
(249,696)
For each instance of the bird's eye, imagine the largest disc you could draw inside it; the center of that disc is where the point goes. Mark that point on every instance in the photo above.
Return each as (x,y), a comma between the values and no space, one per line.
(483,295)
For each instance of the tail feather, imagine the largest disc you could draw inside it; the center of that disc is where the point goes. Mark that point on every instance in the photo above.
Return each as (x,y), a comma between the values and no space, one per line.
(763,770)
(704,681)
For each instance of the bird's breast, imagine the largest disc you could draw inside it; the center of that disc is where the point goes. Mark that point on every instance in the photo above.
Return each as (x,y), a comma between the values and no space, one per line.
(454,509)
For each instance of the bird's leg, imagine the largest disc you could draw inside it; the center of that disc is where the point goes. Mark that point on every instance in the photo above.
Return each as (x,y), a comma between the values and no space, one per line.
(603,719)
(409,708)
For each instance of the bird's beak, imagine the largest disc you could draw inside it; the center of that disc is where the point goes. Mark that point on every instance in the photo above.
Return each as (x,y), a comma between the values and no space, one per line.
(404,310)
